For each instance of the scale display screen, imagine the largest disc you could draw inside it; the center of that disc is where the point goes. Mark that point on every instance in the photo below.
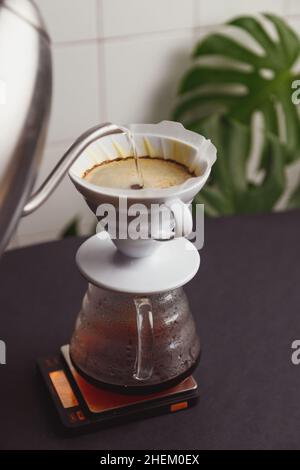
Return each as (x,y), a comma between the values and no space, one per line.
(63,389)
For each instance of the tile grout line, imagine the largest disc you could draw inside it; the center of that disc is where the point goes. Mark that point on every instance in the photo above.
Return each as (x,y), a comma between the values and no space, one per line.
(289,16)
(149,34)
(195,13)
(109,39)
(57,143)
(101,64)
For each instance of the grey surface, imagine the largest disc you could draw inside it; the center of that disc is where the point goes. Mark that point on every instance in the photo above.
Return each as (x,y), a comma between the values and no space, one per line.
(246,300)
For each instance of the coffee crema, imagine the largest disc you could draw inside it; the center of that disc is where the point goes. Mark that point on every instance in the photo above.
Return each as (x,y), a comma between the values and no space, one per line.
(121,173)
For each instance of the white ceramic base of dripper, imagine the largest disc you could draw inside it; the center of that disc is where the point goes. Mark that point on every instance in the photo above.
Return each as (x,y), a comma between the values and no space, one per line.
(172,265)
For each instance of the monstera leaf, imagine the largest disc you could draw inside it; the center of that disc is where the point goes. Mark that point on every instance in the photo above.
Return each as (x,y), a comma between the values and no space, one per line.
(244,76)
(230,191)
(72,229)
(243,72)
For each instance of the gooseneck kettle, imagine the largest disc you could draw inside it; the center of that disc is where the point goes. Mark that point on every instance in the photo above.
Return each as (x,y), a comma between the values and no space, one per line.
(25,101)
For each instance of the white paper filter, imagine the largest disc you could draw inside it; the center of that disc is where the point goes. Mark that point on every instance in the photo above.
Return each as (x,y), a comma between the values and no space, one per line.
(168,140)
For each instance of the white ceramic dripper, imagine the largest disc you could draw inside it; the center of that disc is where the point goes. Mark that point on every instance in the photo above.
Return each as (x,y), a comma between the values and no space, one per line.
(167,140)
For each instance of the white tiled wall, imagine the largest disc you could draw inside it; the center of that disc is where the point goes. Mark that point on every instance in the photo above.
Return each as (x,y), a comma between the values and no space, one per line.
(142,75)
(70,20)
(77,83)
(293,7)
(131,17)
(121,61)
(211,12)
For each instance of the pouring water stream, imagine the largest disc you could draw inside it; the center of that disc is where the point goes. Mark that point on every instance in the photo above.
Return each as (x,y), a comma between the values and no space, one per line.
(140,179)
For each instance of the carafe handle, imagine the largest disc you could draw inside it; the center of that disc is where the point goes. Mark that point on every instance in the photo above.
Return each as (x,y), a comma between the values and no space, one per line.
(144,321)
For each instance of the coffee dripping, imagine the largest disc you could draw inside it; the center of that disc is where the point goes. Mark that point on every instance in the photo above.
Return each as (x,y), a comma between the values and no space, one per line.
(135,332)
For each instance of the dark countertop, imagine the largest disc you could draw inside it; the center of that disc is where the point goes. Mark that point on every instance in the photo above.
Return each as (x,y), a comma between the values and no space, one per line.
(246,299)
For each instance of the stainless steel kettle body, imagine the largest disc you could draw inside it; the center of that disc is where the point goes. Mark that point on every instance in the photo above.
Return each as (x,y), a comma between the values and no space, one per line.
(25,97)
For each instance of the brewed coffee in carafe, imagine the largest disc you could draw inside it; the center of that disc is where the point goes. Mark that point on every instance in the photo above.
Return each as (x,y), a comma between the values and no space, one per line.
(135,344)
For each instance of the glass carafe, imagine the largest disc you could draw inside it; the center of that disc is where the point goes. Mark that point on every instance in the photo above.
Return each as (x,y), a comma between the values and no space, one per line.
(135,344)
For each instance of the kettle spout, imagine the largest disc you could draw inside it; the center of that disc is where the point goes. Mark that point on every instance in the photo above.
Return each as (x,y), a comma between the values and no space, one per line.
(63,166)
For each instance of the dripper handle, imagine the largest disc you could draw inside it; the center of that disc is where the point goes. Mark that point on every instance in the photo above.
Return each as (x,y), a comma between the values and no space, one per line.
(183,217)
(144,322)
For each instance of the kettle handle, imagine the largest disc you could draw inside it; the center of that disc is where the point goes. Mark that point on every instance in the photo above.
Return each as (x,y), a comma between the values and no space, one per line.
(62,167)
(144,321)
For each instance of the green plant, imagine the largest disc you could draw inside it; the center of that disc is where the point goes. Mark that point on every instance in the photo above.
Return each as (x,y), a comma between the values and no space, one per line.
(72,229)
(228,86)
(229,190)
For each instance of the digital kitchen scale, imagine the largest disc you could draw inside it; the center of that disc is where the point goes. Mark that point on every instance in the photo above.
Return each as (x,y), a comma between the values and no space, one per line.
(83,407)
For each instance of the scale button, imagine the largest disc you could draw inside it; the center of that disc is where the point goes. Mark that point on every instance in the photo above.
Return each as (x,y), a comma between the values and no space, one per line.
(80,416)
(73,417)
(179,406)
